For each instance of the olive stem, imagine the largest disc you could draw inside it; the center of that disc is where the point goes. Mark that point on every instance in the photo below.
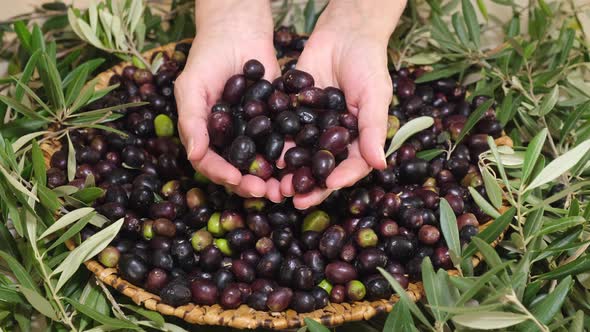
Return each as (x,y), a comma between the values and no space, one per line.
(514,300)
(117,309)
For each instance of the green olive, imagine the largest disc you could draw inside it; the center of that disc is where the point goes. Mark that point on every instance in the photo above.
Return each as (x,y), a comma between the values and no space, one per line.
(201,239)
(325,285)
(164,126)
(109,256)
(316,221)
(170,187)
(214,225)
(200,178)
(392,126)
(147,229)
(355,290)
(223,246)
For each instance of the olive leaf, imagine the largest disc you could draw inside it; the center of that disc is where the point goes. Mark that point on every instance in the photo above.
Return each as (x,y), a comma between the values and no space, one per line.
(407,130)
(449,228)
(66,220)
(39,302)
(489,320)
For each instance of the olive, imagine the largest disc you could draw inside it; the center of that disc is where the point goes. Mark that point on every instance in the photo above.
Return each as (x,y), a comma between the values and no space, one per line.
(162,259)
(287,123)
(296,80)
(223,246)
(231,297)
(317,221)
(231,220)
(297,157)
(250,256)
(156,280)
(243,271)
(112,211)
(282,238)
(151,182)
(313,97)
(348,252)
(303,180)
(428,234)
(358,202)
(335,139)
(264,245)
(458,166)
(332,241)
(320,296)
(366,237)
(306,115)
(142,76)
(183,254)
(259,126)
(109,256)
(242,151)
(269,265)
(195,198)
(455,202)
(260,90)
(261,167)
(59,160)
(338,294)
(355,290)
(405,87)
(253,70)
(133,268)
(279,299)
(210,258)
(257,300)
(369,259)
(263,285)
(442,258)
(287,270)
(234,89)
(310,240)
(258,223)
(164,227)
(339,272)
(223,278)
(406,152)
(163,209)
(278,102)
(378,288)
(254,108)
(141,198)
(55,178)
(175,294)
(303,278)
(147,229)
(274,146)
(388,228)
(204,292)
(163,126)
(307,136)
(490,127)
(116,194)
(303,302)
(400,248)
(241,239)
(414,170)
(335,98)
(467,232)
(329,119)
(220,128)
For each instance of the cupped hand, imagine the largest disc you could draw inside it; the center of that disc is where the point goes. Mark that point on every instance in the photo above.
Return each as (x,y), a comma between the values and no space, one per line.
(219,51)
(352,57)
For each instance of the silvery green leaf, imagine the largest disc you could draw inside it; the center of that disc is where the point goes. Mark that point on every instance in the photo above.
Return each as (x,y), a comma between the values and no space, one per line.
(140,35)
(73,21)
(119,37)
(433,293)
(65,190)
(424,58)
(473,119)
(156,63)
(67,220)
(490,320)
(86,250)
(88,35)
(549,101)
(448,226)
(135,14)
(39,302)
(93,16)
(483,204)
(15,181)
(532,154)
(545,309)
(106,20)
(406,131)
(71,159)
(560,165)
(23,140)
(492,187)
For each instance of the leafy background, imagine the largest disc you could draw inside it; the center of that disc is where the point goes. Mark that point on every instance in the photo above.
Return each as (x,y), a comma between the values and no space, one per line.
(533,61)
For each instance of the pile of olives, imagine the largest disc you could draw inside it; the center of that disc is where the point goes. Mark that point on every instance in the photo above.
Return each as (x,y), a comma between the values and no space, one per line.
(255,117)
(189,240)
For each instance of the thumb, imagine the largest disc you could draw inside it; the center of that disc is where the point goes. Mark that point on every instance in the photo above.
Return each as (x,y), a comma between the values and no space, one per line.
(191,100)
(372,116)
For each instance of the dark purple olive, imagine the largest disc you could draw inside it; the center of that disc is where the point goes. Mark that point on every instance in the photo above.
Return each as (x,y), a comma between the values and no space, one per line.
(253,70)
(220,128)
(322,164)
(250,256)
(303,278)
(328,119)
(458,166)
(204,292)
(210,258)
(164,227)
(378,288)
(258,127)
(296,80)
(310,240)
(442,258)
(223,278)
(257,301)
(183,254)
(260,90)
(163,209)
(490,127)
(55,178)
(141,198)
(242,152)
(287,270)
(282,238)
(156,280)
(279,299)
(241,239)
(162,259)
(338,294)
(254,108)
(405,87)
(234,89)
(142,76)
(428,234)
(269,265)
(261,167)
(388,228)
(274,146)
(358,202)
(303,180)
(321,297)
(340,272)
(335,98)
(303,302)
(59,160)
(297,157)
(307,115)
(456,203)
(231,297)
(467,232)
(335,140)
(264,245)
(287,123)
(278,102)
(400,248)
(307,136)
(332,241)
(369,259)
(414,170)
(313,97)
(113,211)
(133,268)
(263,285)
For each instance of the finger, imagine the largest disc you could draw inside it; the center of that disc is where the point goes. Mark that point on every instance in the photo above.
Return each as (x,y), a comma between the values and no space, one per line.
(372,117)
(287,189)
(347,173)
(252,185)
(310,199)
(273,190)
(217,169)
(281,161)
(192,118)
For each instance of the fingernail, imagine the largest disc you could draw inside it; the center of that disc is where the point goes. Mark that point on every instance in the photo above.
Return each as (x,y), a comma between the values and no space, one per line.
(190,148)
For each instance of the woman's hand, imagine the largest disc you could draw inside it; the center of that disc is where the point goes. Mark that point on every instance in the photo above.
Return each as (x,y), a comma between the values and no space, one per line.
(348,50)
(230,32)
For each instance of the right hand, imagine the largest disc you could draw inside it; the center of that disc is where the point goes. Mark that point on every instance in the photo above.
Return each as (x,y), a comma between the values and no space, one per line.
(227,37)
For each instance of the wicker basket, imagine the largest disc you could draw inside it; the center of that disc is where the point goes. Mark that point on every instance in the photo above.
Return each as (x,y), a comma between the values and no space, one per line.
(243,317)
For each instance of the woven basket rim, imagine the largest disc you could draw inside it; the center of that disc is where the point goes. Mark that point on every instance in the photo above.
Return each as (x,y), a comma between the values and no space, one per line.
(243,317)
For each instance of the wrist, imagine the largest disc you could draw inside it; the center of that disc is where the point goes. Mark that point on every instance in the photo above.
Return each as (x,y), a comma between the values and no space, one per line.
(372,19)
(232,18)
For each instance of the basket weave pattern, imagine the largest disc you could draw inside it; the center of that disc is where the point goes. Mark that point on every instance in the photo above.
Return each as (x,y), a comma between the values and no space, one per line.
(242,317)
